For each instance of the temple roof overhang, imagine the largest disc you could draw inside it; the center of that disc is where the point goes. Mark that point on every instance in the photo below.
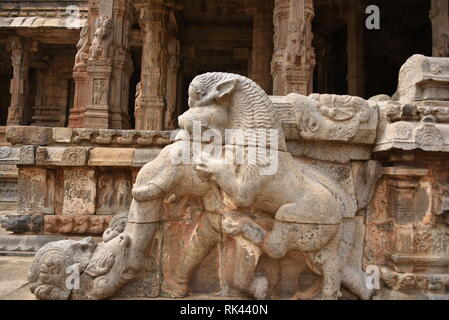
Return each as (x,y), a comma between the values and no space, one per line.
(41,22)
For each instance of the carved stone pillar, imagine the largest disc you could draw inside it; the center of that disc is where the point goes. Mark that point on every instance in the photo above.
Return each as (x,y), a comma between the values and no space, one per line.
(355,75)
(294,58)
(262,50)
(103,67)
(19,84)
(122,68)
(439,15)
(153,19)
(174,63)
(280,21)
(99,64)
(39,104)
(403,184)
(97,111)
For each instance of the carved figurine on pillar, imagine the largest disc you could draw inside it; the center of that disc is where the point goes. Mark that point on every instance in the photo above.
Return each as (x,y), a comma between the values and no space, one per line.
(83,45)
(99,69)
(138,105)
(81,79)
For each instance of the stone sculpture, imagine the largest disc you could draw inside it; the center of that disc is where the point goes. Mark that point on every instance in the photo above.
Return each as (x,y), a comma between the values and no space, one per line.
(298,207)
(82,55)
(102,42)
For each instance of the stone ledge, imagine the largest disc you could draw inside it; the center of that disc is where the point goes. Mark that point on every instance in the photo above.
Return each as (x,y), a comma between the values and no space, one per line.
(79,224)
(30,243)
(62,156)
(17,155)
(86,137)
(116,157)
(21,135)
(406,135)
(22,223)
(143,156)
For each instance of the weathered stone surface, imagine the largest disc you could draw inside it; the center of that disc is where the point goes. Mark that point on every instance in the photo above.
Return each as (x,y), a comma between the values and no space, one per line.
(26,243)
(8,194)
(79,224)
(35,193)
(423,78)
(329,151)
(335,118)
(147,285)
(115,157)
(79,191)
(22,223)
(425,135)
(143,156)
(17,155)
(62,135)
(57,256)
(29,135)
(62,156)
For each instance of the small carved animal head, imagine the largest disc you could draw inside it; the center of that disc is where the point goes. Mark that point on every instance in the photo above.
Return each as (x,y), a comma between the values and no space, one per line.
(47,273)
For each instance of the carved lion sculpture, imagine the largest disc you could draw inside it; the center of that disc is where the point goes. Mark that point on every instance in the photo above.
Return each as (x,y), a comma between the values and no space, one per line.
(312,213)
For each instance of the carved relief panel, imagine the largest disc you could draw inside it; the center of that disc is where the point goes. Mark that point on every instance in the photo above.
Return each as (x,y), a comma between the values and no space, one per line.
(79,191)
(35,193)
(114,191)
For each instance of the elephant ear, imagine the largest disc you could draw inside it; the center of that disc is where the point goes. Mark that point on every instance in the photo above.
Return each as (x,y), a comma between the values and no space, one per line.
(225,89)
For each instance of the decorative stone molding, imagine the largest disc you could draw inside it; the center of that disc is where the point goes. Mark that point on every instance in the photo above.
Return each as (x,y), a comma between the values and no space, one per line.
(75,225)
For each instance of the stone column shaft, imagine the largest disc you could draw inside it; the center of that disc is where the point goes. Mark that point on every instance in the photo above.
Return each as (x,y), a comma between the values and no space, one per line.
(355,75)
(262,51)
(173,66)
(19,82)
(439,15)
(153,18)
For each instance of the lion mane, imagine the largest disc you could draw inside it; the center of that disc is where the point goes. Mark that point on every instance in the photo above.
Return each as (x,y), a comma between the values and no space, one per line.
(250,108)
